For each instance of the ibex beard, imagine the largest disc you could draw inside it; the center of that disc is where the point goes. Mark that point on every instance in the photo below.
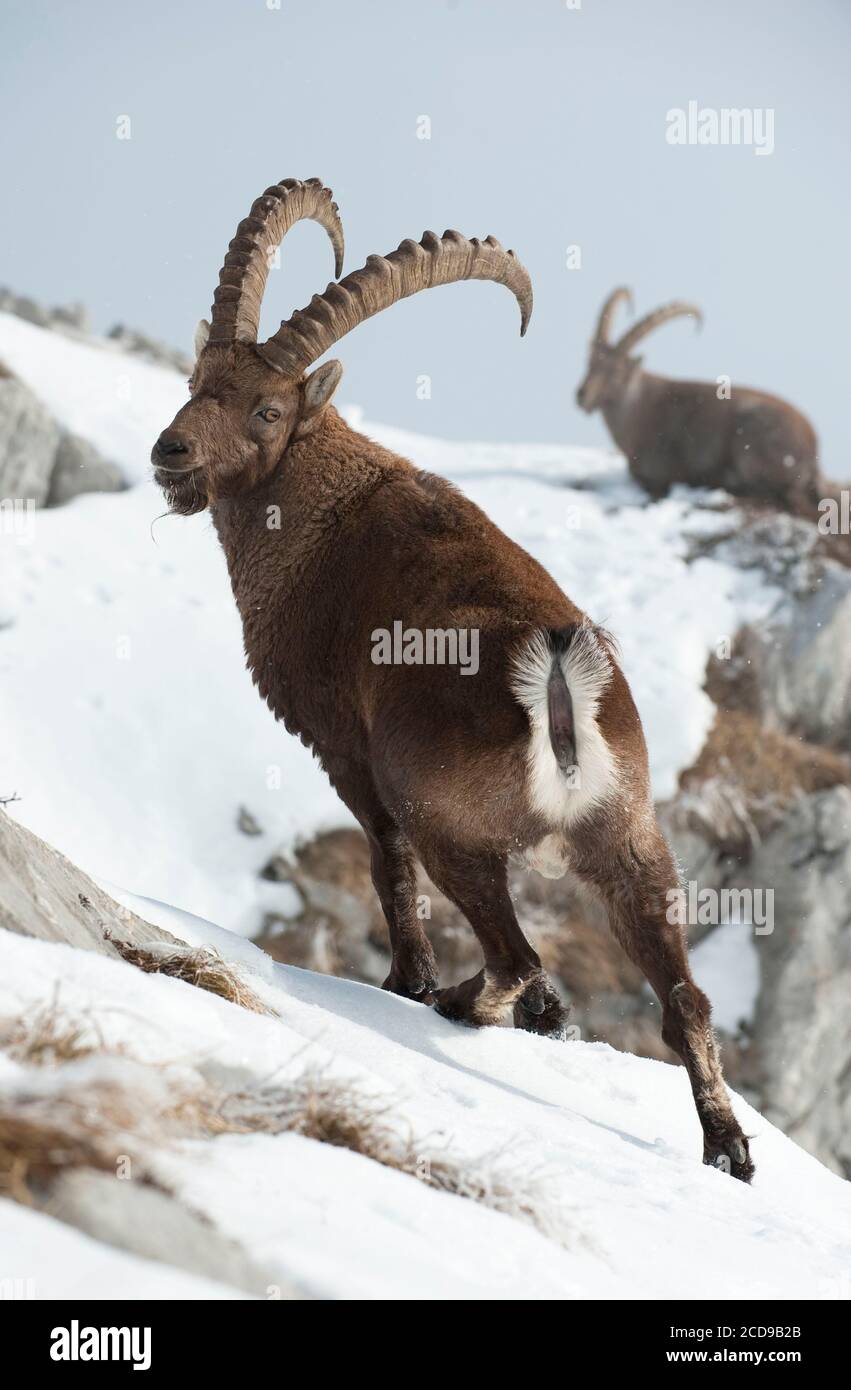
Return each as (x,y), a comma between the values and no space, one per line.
(540,754)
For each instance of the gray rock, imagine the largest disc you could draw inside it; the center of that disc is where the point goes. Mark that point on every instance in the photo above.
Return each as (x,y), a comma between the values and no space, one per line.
(131,340)
(28,441)
(801,660)
(43,895)
(74,316)
(39,461)
(147,1221)
(29,309)
(247,823)
(783,547)
(802,1036)
(78,468)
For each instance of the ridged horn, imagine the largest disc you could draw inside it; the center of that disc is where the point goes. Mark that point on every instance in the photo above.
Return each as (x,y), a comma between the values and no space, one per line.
(607,313)
(242,278)
(384,280)
(676,309)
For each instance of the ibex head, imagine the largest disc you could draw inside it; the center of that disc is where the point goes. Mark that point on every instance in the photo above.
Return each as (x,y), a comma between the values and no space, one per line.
(611,366)
(250,400)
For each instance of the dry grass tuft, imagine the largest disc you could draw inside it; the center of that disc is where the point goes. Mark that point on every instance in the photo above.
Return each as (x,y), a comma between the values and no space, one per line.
(747,775)
(48,1037)
(335,1112)
(95,1114)
(196,965)
(89,1124)
(34,1150)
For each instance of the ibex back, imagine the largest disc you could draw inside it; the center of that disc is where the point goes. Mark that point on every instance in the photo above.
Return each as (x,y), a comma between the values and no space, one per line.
(540,753)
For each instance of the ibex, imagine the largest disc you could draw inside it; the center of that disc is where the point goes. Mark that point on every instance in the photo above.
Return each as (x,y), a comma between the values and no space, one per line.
(330,540)
(747,442)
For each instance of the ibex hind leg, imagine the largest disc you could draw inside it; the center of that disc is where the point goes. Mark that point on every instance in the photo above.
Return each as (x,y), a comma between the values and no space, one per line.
(477,883)
(634,874)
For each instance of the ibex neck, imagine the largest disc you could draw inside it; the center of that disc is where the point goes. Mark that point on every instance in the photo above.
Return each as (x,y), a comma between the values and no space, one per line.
(288,523)
(621,414)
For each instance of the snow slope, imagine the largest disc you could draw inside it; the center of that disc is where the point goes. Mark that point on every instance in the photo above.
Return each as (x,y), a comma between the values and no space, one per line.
(607,1144)
(132,737)
(136,732)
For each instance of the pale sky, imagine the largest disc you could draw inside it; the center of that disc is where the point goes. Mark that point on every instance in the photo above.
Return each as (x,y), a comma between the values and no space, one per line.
(548,129)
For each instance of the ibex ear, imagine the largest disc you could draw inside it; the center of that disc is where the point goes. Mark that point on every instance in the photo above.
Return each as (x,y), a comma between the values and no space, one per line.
(202,333)
(316,393)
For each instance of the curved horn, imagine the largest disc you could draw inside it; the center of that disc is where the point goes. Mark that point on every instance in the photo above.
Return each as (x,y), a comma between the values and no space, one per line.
(607,313)
(676,309)
(384,280)
(242,278)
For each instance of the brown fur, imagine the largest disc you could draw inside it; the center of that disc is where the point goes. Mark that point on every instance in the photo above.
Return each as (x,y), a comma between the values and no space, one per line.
(752,444)
(431,763)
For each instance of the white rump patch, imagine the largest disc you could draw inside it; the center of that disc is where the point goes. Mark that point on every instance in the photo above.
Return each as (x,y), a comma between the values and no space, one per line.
(563,798)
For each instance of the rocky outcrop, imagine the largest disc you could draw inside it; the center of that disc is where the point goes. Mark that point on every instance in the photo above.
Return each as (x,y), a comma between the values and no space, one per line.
(151,1222)
(768,813)
(40,462)
(69,317)
(29,439)
(79,468)
(130,340)
(801,662)
(73,319)
(792,671)
(801,1061)
(43,895)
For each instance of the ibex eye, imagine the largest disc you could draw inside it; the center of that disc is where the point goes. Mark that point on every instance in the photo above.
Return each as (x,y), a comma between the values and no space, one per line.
(269,414)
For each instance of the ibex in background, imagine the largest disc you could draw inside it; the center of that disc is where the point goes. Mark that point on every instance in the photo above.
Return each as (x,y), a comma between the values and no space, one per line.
(751,444)
(330,539)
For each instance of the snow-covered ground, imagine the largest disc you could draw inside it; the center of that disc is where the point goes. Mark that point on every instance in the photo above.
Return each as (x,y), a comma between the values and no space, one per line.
(606,1145)
(133,735)
(135,732)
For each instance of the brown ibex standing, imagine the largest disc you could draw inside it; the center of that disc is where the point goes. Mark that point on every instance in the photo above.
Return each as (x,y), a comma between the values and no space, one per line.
(331,540)
(749,443)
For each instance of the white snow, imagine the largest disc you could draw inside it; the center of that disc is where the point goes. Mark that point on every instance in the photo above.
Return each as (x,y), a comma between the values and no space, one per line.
(137,732)
(612,1142)
(134,736)
(726,966)
(42,1258)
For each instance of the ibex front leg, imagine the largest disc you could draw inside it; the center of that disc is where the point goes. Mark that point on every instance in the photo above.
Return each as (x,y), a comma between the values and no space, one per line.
(413,970)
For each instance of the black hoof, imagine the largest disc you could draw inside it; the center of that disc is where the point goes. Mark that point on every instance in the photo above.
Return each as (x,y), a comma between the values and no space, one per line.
(730,1156)
(420,990)
(539,1010)
(459,1003)
(533,1003)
